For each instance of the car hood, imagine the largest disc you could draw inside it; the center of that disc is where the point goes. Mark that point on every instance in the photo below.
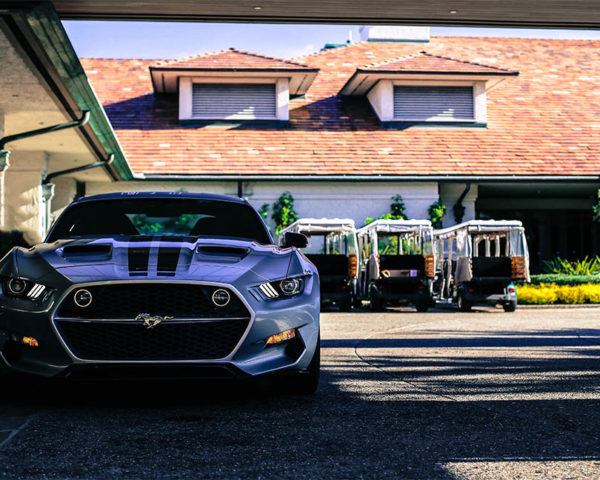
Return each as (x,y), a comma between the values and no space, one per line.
(160,258)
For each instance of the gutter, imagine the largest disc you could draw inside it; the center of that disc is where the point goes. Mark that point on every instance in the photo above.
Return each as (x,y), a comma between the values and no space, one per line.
(368,178)
(38,32)
(105,163)
(41,131)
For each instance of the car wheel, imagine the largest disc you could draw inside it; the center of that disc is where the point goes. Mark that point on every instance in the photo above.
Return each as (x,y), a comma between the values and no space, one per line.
(346,304)
(463,304)
(306,383)
(376,302)
(510,307)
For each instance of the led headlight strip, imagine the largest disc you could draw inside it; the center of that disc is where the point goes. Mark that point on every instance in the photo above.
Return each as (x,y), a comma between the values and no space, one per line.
(36,291)
(268,290)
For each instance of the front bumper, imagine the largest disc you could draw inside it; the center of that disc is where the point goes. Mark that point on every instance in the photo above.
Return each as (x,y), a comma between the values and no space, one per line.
(493,299)
(250,357)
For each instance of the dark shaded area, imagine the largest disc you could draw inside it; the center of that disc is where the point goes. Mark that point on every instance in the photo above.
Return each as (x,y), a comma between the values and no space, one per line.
(160,112)
(383,426)
(10,239)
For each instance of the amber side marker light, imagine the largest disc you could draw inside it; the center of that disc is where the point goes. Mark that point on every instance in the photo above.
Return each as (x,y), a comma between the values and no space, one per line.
(281,337)
(30,342)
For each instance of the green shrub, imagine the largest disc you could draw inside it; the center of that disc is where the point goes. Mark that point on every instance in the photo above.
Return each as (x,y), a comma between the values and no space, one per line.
(549,293)
(283,212)
(436,212)
(587,266)
(397,208)
(564,279)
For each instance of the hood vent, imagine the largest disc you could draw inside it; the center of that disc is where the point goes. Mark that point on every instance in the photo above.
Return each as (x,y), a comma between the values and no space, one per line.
(102,250)
(223,253)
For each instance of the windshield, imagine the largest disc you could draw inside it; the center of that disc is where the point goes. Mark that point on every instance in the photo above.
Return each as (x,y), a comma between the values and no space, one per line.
(164,216)
(330,243)
(404,243)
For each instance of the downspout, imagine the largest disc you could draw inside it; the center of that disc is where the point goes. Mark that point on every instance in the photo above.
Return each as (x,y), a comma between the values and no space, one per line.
(41,131)
(459,208)
(104,163)
(5,154)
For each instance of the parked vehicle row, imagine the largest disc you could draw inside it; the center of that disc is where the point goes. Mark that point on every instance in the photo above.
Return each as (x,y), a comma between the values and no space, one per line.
(407,262)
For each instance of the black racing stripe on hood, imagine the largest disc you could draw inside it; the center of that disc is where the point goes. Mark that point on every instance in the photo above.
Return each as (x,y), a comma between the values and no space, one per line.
(139,257)
(168,258)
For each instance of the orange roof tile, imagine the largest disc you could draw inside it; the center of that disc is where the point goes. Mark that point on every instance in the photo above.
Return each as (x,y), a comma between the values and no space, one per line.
(543,122)
(230,59)
(425,62)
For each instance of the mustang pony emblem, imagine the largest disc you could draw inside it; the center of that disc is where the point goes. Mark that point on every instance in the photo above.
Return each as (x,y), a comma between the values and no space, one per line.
(151,321)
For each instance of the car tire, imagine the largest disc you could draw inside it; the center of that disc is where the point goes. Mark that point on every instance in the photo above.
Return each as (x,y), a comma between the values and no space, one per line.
(306,383)
(346,304)
(463,304)
(510,307)
(376,302)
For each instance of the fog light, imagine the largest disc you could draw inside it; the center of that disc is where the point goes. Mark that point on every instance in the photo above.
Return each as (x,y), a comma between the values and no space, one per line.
(221,297)
(30,342)
(82,298)
(281,337)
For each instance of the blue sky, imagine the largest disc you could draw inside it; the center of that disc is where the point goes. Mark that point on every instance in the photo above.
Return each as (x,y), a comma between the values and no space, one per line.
(174,40)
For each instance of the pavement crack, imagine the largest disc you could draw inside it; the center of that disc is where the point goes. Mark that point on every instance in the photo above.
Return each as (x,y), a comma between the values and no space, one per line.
(15,432)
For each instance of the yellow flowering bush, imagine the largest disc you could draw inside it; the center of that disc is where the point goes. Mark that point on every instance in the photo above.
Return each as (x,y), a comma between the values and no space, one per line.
(548,293)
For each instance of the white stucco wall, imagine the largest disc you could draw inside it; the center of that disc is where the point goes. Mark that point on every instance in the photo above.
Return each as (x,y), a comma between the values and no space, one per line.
(64,193)
(24,209)
(449,193)
(356,200)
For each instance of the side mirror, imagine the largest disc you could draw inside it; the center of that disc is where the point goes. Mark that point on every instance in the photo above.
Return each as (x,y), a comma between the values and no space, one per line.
(292,239)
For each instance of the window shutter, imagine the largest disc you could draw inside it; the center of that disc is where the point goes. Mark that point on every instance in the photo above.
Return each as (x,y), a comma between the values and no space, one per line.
(420,104)
(234,101)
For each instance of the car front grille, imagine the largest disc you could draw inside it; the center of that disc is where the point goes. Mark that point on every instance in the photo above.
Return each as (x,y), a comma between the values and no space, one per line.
(128,300)
(168,341)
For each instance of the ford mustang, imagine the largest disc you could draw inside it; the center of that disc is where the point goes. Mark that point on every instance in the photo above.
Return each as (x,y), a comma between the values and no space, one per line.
(164,284)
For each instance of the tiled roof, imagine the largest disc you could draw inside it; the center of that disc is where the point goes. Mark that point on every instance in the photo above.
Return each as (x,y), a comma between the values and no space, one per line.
(426,63)
(543,122)
(230,59)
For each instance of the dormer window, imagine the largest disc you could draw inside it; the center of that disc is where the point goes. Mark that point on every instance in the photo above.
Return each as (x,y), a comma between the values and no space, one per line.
(433,103)
(427,89)
(236,101)
(232,86)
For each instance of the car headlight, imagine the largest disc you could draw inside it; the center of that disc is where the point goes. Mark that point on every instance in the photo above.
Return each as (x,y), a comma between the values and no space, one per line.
(22,288)
(288,287)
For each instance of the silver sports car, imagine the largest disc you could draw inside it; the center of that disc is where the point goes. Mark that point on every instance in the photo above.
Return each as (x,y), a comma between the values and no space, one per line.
(161,285)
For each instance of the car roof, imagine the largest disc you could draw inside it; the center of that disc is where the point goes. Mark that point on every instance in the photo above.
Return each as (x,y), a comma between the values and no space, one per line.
(161,195)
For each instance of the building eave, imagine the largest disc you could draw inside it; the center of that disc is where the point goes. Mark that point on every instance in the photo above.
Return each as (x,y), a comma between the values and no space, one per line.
(368,178)
(41,35)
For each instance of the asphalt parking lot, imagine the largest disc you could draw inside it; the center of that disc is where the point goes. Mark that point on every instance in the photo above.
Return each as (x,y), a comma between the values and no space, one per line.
(442,395)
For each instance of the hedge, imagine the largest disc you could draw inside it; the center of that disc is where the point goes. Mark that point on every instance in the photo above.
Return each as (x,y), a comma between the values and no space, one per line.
(559,279)
(548,293)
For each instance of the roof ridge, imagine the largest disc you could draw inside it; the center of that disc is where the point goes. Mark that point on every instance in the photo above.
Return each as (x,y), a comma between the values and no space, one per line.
(231,49)
(267,57)
(191,57)
(427,54)
(401,58)
(468,62)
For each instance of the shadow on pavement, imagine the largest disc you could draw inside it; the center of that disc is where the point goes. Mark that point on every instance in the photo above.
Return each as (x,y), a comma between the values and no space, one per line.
(364,422)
